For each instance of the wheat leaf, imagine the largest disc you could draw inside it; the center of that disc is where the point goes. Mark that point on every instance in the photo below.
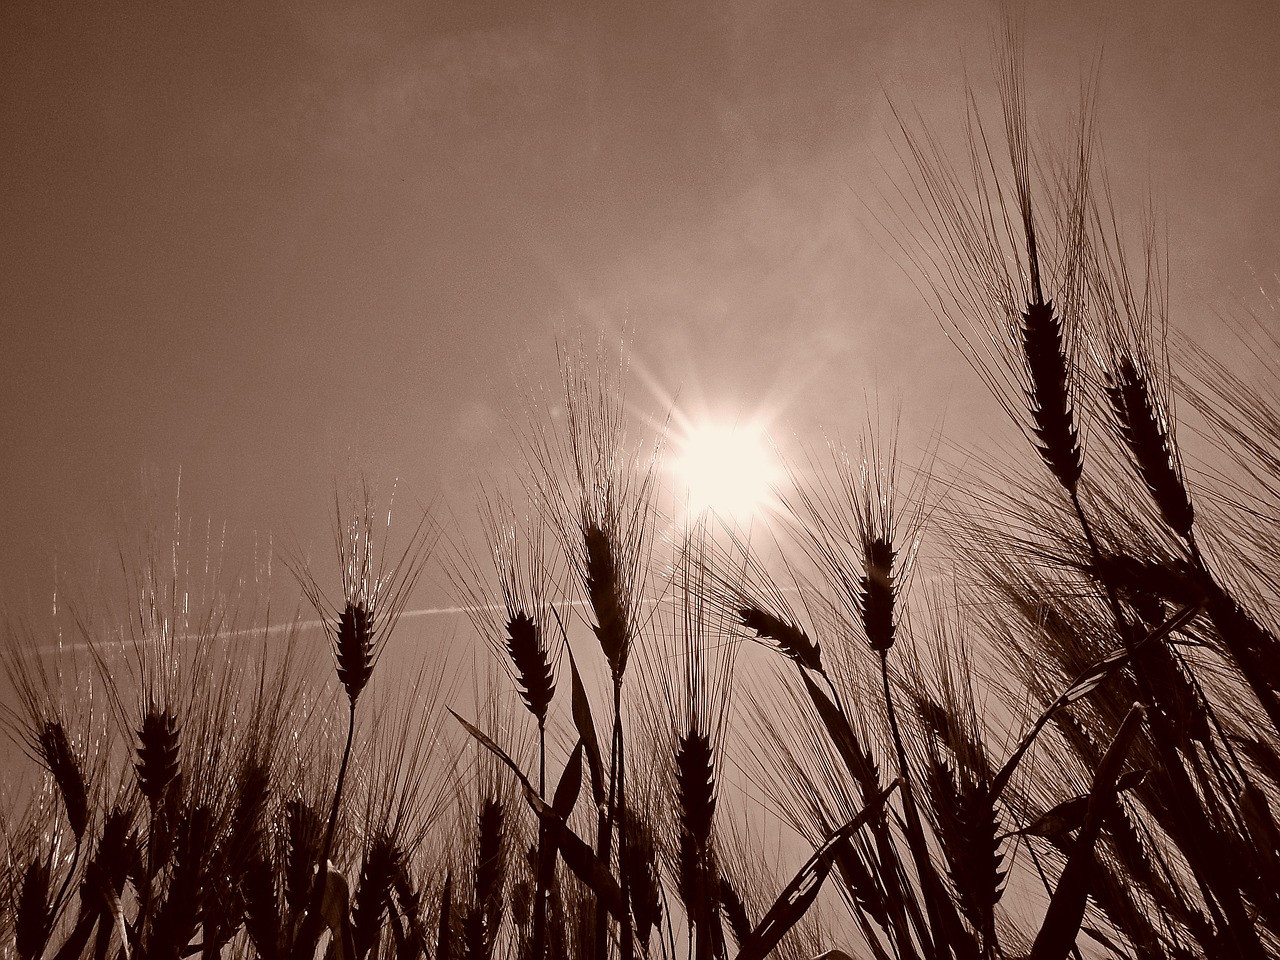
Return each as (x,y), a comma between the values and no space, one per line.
(800,893)
(1085,684)
(586,731)
(578,856)
(856,759)
(1066,908)
(570,784)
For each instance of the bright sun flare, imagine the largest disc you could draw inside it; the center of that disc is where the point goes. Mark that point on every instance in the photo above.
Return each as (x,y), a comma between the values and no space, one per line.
(727,469)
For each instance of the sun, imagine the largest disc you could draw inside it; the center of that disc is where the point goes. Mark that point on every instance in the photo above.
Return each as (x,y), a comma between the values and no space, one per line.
(728,469)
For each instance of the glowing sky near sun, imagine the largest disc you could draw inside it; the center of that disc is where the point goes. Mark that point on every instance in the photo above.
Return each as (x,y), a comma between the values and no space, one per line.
(728,468)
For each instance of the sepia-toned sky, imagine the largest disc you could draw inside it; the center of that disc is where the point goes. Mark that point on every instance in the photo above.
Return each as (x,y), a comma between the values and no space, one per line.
(259,244)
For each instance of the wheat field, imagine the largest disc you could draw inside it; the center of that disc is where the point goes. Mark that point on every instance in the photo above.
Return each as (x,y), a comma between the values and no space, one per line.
(1023,706)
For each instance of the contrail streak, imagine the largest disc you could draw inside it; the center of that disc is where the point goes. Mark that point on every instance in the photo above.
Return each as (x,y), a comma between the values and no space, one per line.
(271,630)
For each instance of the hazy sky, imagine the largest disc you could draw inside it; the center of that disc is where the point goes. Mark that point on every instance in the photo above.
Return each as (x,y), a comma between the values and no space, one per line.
(260,242)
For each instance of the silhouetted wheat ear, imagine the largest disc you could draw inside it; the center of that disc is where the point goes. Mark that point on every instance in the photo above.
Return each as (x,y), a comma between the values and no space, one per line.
(604,593)
(642,876)
(734,911)
(249,820)
(696,795)
(1049,393)
(377,874)
(303,831)
(1151,581)
(353,648)
(1145,430)
(158,747)
(55,749)
(522,906)
(969,831)
(261,910)
(409,898)
(696,785)
(867,891)
(179,913)
(791,639)
(489,872)
(533,669)
(877,593)
(116,853)
(32,921)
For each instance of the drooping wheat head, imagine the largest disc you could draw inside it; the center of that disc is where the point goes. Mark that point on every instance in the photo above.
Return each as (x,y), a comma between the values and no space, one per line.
(743,592)
(1131,317)
(1049,393)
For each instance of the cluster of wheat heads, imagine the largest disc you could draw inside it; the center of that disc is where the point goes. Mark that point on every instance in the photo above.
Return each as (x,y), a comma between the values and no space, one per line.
(192,779)
(1126,603)
(1054,743)
(976,766)
(1060,739)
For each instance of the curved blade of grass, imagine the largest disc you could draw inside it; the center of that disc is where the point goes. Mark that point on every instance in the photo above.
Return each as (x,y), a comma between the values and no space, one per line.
(586,729)
(117,915)
(578,856)
(1069,815)
(800,893)
(1084,685)
(569,786)
(1062,920)
(856,759)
